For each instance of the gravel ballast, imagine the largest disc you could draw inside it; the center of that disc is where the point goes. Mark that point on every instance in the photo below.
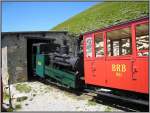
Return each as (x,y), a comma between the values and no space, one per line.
(44,97)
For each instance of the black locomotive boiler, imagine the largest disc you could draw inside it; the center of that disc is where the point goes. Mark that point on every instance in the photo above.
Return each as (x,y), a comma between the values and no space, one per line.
(54,61)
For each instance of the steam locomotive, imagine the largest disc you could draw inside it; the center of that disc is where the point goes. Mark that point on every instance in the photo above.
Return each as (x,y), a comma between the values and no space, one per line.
(115,57)
(53,61)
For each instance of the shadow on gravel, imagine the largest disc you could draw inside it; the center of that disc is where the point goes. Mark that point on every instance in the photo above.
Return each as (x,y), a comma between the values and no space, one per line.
(125,106)
(57,85)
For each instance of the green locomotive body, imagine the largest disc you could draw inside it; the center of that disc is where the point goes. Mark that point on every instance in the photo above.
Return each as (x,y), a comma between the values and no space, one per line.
(59,68)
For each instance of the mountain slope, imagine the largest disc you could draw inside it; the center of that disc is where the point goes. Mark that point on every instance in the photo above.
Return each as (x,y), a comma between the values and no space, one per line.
(102,15)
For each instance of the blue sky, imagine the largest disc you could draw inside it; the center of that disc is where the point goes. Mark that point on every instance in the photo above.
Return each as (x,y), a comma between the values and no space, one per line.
(38,16)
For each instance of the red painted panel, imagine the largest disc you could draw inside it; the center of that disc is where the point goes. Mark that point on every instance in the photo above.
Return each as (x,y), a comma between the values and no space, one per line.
(95,72)
(100,72)
(89,77)
(135,78)
(140,69)
(119,74)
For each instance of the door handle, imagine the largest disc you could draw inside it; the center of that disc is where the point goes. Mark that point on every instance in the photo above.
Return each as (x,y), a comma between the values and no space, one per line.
(93,69)
(92,63)
(134,70)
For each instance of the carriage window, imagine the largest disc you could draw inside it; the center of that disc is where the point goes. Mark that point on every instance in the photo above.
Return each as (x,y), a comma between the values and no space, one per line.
(89,47)
(99,45)
(142,39)
(119,42)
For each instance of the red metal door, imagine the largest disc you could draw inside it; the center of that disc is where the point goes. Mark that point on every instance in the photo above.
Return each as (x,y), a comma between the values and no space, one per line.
(140,64)
(99,64)
(140,75)
(94,65)
(88,58)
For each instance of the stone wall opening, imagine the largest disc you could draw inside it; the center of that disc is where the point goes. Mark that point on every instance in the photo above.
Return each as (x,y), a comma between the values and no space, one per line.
(30,42)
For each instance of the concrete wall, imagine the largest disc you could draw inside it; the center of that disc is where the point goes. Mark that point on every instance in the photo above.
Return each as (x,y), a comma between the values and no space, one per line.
(14,53)
(16,57)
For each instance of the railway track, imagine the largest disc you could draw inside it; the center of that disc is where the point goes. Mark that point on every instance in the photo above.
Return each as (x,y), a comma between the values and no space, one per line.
(103,98)
(122,103)
(125,106)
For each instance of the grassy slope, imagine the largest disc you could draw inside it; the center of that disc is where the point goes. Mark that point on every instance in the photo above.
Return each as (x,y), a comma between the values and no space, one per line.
(102,15)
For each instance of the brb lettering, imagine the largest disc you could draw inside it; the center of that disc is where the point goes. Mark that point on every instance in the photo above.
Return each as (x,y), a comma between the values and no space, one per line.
(119,69)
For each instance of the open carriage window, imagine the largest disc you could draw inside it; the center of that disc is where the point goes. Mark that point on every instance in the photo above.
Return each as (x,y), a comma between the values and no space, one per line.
(119,42)
(99,45)
(142,39)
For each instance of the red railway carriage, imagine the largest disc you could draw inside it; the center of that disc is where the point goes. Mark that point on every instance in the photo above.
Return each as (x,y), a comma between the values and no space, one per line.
(117,56)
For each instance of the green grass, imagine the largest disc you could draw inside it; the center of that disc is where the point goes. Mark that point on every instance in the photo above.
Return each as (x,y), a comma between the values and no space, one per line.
(91,103)
(104,14)
(34,95)
(19,99)
(23,88)
(108,109)
(18,106)
(10,109)
(6,96)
